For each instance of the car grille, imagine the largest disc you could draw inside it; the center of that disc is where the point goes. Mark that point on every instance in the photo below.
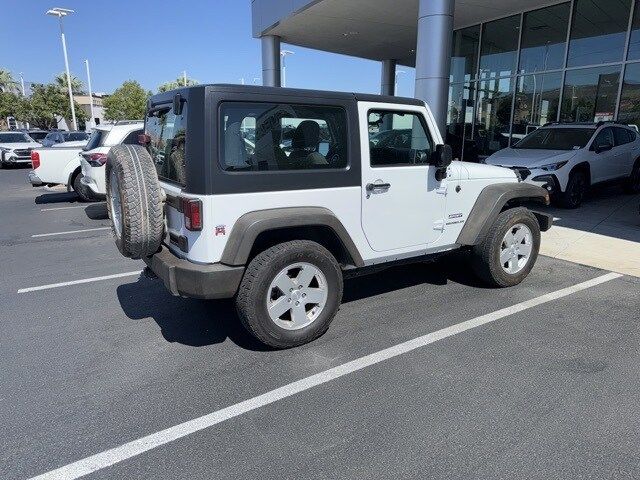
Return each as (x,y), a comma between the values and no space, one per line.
(24,152)
(524,172)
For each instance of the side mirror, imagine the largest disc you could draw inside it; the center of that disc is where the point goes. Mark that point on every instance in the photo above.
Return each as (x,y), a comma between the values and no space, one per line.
(177,104)
(442,156)
(603,147)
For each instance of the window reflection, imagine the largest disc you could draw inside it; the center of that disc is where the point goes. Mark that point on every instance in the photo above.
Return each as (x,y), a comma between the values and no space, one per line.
(590,94)
(493,117)
(460,121)
(544,38)
(634,40)
(598,31)
(630,99)
(499,47)
(536,103)
(465,54)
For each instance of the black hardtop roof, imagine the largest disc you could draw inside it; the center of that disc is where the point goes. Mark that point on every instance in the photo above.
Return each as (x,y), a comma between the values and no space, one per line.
(298,92)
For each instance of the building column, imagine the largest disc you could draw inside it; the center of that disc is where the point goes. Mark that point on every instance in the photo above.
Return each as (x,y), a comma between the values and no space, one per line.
(433,56)
(388,78)
(271,61)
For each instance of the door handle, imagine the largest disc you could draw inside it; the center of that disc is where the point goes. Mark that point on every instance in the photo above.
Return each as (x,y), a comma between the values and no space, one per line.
(376,187)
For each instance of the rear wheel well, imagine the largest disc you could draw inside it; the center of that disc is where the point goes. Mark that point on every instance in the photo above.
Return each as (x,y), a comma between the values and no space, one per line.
(73,175)
(321,234)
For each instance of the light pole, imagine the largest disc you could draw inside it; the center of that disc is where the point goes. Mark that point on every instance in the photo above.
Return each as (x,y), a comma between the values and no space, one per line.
(184,77)
(395,87)
(283,54)
(22,83)
(93,117)
(60,13)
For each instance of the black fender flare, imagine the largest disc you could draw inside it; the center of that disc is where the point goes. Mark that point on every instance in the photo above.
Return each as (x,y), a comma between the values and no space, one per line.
(491,202)
(247,228)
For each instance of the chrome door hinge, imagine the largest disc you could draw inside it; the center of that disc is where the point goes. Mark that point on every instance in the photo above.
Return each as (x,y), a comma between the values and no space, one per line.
(441,190)
(439,225)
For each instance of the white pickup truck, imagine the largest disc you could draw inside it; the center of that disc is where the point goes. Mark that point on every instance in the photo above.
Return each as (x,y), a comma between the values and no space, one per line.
(57,165)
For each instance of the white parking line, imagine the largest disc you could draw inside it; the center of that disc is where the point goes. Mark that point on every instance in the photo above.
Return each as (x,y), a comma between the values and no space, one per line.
(77,282)
(70,232)
(62,208)
(136,447)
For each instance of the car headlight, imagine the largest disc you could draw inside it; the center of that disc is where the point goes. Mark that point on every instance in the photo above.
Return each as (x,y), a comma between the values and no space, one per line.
(553,166)
(5,149)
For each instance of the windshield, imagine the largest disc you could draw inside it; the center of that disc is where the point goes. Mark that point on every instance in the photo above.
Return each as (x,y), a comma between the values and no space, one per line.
(14,138)
(556,139)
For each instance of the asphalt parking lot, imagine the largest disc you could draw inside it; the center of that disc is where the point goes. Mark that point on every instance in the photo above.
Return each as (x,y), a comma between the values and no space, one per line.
(423,374)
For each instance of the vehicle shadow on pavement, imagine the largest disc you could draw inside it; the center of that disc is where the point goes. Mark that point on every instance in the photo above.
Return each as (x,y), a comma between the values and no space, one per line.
(188,321)
(97,211)
(58,197)
(199,323)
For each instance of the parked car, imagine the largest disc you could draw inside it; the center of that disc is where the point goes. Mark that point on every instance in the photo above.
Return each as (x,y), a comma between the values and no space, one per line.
(59,165)
(278,230)
(37,135)
(54,138)
(15,148)
(567,159)
(94,154)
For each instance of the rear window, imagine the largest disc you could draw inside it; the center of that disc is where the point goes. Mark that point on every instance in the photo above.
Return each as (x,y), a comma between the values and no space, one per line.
(270,136)
(96,139)
(14,138)
(167,133)
(75,136)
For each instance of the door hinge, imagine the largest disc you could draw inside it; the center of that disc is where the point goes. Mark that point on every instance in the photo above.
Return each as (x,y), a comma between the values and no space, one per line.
(439,225)
(441,190)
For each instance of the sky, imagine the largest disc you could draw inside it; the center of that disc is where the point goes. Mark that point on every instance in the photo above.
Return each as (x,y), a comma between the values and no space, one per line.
(154,41)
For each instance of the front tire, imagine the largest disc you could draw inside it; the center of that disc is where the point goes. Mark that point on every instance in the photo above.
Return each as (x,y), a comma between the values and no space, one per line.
(509,250)
(290,293)
(632,185)
(576,190)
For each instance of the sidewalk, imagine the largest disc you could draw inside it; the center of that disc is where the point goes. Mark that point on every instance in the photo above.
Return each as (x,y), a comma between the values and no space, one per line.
(603,233)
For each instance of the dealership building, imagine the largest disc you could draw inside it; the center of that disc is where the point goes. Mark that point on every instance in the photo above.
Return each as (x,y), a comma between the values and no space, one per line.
(491,70)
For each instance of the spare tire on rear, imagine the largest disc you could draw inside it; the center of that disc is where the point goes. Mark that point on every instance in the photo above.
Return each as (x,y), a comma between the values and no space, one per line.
(134,201)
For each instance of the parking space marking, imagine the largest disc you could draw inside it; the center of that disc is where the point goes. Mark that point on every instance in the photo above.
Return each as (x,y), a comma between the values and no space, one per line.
(77,282)
(62,208)
(134,448)
(39,235)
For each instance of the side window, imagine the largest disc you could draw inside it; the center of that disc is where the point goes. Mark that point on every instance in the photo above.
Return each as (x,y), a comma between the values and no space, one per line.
(605,137)
(622,135)
(132,138)
(282,137)
(398,139)
(167,133)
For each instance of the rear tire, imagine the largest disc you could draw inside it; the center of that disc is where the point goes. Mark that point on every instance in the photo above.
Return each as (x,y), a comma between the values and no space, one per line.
(509,250)
(272,307)
(576,190)
(135,201)
(82,190)
(632,184)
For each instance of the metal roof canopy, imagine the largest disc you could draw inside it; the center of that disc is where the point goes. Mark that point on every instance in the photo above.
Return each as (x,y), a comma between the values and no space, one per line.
(372,29)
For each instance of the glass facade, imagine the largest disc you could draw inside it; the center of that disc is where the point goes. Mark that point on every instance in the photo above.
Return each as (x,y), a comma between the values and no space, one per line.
(575,61)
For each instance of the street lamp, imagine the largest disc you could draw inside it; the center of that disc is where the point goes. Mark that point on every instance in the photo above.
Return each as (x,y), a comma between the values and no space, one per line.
(395,87)
(60,13)
(283,54)
(93,117)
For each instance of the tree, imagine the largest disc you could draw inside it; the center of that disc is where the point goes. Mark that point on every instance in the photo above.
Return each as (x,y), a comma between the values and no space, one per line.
(9,104)
(61,81)
(177,83)
(7,83)
(128,102)
(45,105)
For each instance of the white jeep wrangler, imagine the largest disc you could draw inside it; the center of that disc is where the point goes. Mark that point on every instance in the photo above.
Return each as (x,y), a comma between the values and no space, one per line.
(272,195)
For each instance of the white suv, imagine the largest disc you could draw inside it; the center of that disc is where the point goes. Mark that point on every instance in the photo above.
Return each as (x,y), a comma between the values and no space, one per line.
(279,222)
(15,148)
(94,154)
(567,158)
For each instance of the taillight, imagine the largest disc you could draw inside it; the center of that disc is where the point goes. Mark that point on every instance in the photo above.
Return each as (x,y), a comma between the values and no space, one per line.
(96,159)
(144,139)
(35,159)
(192,210)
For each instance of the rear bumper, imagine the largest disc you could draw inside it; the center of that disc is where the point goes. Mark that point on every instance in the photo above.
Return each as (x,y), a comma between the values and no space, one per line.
(34,179)
(188,279)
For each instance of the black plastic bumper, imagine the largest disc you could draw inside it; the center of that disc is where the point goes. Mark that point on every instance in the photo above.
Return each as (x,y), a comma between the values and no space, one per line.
(188,279)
